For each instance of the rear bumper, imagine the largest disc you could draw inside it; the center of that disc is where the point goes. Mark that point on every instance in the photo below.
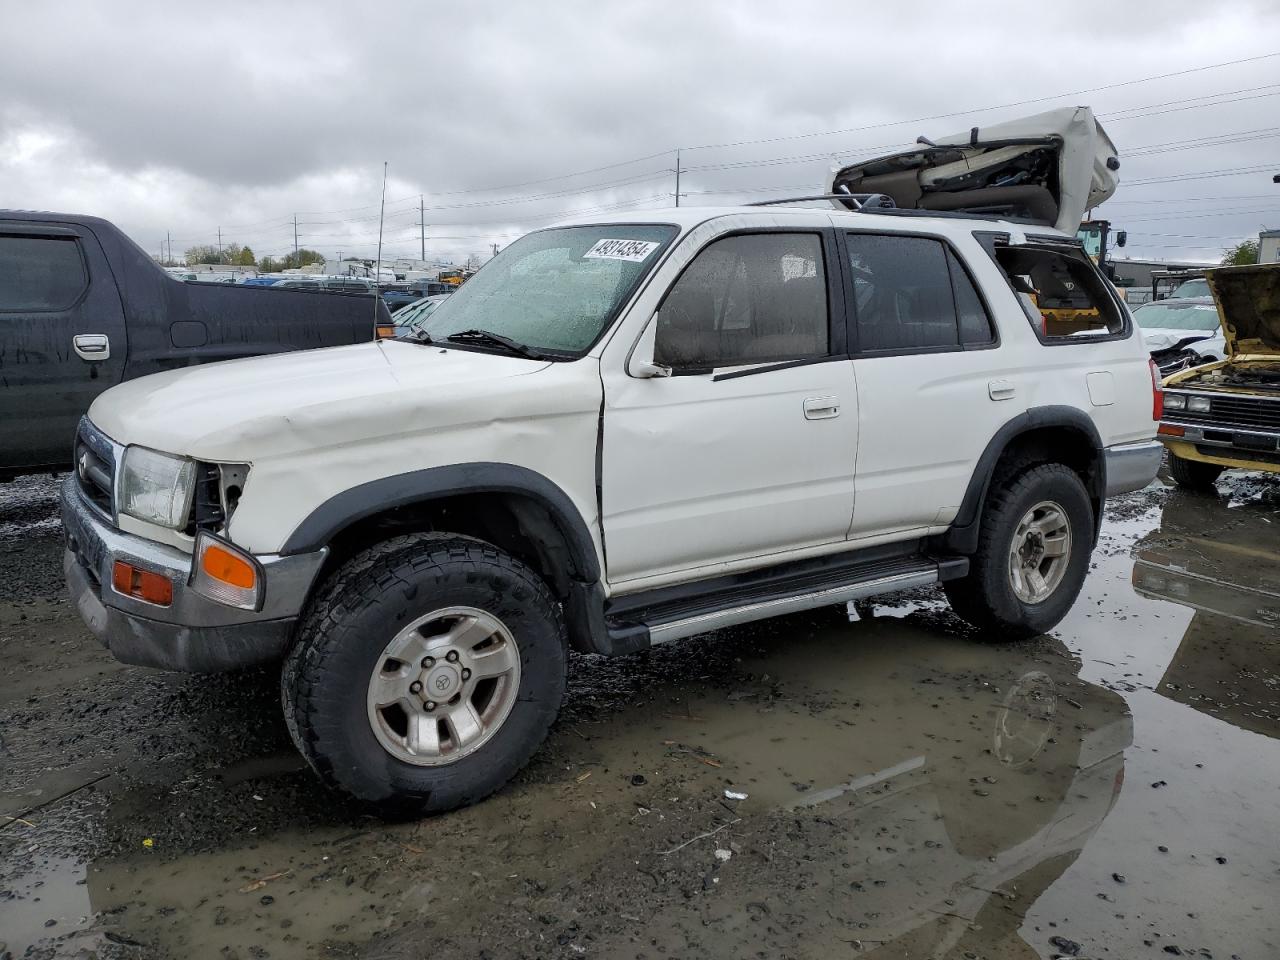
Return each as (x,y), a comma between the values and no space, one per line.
(193,633)
(1131,466)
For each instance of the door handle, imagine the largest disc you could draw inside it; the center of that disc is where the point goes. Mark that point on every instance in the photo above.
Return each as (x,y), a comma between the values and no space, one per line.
(821,408)
(92,346)
(1001,389)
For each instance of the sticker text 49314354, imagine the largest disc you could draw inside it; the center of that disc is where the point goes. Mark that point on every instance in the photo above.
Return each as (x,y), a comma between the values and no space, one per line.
(634,250)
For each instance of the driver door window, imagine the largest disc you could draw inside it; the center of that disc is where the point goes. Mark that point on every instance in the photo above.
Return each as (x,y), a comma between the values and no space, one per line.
(750,299)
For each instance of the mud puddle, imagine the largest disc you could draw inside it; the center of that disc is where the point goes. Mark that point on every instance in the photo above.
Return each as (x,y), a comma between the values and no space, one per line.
(804,787)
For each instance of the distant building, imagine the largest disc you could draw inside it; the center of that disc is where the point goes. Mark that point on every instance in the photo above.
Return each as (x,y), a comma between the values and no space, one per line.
(1269,246)
(1137,273)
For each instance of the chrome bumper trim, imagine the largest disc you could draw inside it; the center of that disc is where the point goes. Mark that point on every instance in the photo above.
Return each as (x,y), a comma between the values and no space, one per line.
(1131,466)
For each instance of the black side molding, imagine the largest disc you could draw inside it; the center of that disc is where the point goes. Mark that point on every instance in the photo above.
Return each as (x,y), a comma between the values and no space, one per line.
(419,486)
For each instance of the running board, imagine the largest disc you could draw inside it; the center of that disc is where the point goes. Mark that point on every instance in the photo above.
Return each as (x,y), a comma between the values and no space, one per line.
(665,622)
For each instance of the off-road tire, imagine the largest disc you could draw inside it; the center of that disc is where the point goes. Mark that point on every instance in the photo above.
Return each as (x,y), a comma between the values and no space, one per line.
(985,596)
(342,635)
(1194,474)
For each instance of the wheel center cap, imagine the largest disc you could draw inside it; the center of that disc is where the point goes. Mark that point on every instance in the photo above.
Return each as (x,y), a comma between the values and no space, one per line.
(441,682)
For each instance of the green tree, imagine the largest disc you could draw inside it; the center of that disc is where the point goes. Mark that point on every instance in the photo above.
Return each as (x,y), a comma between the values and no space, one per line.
(301,259)
(247,259)
(205,253)
(270,265)
(1242,254)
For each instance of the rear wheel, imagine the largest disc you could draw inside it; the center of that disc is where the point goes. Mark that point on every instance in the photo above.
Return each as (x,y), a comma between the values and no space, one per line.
(1032,557)
(1193,474)
(427,672)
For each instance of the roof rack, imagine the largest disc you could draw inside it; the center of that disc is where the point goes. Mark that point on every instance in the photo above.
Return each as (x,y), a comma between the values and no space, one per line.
(860,201)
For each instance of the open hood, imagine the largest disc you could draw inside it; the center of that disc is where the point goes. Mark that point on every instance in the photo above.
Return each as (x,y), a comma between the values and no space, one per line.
(1049,168)
(1248,300)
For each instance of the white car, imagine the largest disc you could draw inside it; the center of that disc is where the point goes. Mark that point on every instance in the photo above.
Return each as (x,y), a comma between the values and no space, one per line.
(1182,333)
(622,431)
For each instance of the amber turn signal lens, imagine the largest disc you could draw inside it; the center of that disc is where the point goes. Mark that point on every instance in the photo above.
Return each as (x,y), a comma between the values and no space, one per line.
(1170,431)
(224,565)
(383,332)
(141,584)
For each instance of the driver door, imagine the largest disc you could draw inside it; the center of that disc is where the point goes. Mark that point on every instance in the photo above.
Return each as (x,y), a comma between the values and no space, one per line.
(745,453)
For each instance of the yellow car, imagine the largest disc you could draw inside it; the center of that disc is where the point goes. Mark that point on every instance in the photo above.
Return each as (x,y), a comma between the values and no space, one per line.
(1227,414)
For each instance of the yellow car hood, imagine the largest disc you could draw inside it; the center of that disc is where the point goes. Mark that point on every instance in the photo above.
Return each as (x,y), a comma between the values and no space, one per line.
(1248,300)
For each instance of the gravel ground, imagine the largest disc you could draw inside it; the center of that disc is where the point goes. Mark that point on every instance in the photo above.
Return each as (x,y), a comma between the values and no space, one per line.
(803,787)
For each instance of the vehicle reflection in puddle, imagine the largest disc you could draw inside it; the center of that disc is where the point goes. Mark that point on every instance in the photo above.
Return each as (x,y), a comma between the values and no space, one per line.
(1228,662)
(901,782)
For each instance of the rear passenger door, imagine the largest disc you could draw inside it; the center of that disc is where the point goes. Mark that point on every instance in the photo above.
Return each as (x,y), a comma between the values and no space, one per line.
(929,391)
(62,338)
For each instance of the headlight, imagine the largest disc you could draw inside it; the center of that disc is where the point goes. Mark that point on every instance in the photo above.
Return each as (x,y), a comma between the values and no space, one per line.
(156,487)
(1174,402)
(1198,404)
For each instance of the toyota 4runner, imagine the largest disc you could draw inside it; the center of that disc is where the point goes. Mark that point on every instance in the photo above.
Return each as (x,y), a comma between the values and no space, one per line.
(620,432)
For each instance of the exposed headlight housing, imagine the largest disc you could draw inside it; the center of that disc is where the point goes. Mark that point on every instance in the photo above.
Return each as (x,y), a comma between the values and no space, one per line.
(1198,404)
(1174,402)
(156,487)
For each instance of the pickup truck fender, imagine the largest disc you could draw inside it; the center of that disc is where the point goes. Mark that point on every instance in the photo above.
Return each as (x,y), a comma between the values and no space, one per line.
(963,535)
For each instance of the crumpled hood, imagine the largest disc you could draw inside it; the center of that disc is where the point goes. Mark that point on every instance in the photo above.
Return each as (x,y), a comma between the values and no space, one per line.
(238,409)
(1164,339)
(1248,299)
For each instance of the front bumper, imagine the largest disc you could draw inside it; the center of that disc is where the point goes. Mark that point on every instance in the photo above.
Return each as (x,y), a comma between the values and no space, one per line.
(193,633)
(1131,466)
(1226,444)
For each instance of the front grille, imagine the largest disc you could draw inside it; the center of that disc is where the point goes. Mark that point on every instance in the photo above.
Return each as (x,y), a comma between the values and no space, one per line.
(1250,413)
(95,467)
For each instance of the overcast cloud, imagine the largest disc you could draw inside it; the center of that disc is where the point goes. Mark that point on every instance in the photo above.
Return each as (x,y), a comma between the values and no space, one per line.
(180,118)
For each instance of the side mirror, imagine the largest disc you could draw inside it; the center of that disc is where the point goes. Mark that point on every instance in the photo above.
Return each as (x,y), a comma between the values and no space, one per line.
(642,365)
(1122,237)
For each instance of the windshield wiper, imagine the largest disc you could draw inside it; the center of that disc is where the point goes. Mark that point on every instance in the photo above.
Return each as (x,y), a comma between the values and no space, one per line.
(497,340)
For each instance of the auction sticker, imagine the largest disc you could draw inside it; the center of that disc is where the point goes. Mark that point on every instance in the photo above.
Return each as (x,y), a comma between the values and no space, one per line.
(633,250)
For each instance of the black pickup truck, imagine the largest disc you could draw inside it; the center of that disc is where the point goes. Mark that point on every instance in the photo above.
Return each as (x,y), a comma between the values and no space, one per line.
(82,308)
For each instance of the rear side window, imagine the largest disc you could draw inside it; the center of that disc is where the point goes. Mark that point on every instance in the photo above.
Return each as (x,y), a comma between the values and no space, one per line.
(40,273)
(913,293)
(1062,293)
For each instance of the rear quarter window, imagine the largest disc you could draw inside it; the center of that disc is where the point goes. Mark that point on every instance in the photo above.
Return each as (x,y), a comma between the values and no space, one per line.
(1062,293)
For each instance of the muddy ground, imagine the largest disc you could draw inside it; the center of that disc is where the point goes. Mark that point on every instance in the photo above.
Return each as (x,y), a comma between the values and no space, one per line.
(1112,790)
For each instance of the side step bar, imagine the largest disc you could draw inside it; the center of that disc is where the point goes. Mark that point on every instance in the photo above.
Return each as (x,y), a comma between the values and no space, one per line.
(662,626)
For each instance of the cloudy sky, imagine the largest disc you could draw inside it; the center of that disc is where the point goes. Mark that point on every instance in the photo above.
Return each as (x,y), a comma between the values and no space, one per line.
(179,118)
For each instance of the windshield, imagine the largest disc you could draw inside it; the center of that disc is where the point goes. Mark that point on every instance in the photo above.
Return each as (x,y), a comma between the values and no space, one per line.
(555,290)
(1091,238)
(1192,288)
(1177,316)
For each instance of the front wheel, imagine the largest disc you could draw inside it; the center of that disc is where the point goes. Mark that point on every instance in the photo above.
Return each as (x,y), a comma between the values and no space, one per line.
(1032,557)
(426,673)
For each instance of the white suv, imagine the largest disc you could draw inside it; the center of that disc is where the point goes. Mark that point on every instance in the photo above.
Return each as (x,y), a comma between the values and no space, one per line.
(620,432)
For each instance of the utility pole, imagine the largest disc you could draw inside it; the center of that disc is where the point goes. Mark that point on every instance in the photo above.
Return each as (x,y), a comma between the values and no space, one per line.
(495,249)
(295,241)
(422,227)
(677,176)
(219,244)
(169,239)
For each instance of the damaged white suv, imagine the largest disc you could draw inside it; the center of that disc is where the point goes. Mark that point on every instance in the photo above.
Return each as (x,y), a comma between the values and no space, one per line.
(619,432)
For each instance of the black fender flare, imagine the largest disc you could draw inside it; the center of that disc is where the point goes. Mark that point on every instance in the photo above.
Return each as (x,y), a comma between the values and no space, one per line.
(420,486)
(963,535)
